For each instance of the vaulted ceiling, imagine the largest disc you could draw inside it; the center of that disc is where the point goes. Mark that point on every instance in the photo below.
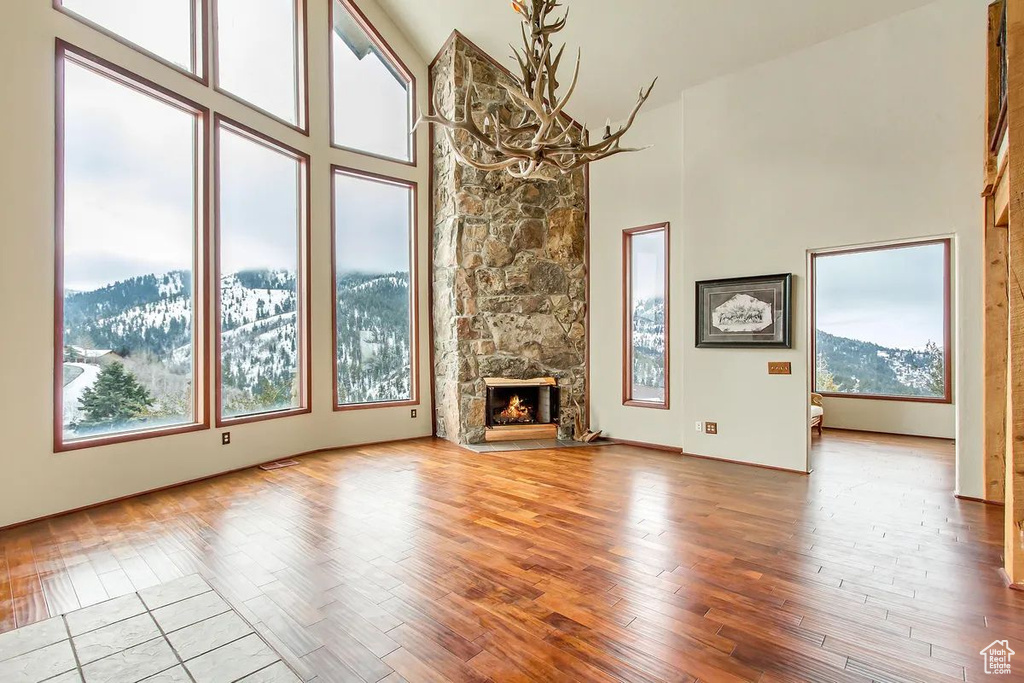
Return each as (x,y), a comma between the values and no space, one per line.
(626,43)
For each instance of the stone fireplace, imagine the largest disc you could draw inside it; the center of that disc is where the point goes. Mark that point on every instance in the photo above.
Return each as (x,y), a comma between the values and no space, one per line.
(509,274)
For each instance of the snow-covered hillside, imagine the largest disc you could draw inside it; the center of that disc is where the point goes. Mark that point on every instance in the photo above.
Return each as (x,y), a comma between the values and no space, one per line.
(860,367)
(149,320)
(649,343)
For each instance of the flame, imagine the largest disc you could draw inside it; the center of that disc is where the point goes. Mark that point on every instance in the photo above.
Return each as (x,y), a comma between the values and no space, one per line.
(517,410)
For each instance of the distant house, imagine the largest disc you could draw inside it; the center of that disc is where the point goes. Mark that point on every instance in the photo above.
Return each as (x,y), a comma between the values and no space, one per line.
(997,657)
(79,354)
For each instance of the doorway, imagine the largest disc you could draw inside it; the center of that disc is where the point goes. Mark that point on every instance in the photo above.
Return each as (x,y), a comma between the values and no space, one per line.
(880,342)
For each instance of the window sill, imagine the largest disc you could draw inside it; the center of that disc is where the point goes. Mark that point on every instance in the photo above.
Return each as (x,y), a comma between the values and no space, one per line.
(371,406)
(261,417)
(630,403)
(898,399)
(62,446)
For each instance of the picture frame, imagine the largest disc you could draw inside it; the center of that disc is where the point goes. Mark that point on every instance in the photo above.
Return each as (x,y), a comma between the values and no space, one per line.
(745,313)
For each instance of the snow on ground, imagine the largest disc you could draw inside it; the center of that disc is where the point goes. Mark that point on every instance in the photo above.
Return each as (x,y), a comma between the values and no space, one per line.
(73,390)
(273,321)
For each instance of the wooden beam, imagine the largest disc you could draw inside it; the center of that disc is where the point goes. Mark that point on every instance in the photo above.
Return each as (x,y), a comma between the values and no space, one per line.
(992,104)
(1014,558)
(996,195)
(1001,202)
(996,340)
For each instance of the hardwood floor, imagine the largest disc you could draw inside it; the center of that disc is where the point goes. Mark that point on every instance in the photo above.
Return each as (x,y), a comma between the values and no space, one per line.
(421,561)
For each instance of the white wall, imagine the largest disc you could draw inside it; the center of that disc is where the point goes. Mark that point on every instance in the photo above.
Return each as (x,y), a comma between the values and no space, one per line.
(34,480)
(630,191)
(892,417)
(870,137)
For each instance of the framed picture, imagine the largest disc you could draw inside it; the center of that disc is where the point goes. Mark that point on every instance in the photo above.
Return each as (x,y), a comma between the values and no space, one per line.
(745,312)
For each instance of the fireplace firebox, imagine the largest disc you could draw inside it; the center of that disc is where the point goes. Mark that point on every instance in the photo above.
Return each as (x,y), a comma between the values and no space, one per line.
(522,409)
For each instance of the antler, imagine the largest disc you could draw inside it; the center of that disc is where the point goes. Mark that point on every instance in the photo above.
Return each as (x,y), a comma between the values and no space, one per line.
(544,134)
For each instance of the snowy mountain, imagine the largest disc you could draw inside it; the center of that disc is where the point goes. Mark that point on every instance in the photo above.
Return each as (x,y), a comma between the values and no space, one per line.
(147,321)
(374,346)
(861,367)
(259,341)
(151,313)
(649,343)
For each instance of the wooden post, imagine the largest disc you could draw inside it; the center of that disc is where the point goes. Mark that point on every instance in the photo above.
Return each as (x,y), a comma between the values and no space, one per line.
(996,306)
(1014,560)
(993,108)
(996,341)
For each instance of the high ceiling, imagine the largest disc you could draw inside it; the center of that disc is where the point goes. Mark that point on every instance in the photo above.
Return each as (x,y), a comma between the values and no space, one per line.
(626,43)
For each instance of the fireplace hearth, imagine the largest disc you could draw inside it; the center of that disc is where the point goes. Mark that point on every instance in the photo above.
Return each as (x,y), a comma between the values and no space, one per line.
(521,409)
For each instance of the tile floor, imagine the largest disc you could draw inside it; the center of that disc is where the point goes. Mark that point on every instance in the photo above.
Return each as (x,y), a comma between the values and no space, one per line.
(533,445)
(177,632)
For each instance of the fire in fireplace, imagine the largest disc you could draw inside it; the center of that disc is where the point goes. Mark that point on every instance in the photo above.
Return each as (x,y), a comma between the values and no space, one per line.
(517,411)
(517,403)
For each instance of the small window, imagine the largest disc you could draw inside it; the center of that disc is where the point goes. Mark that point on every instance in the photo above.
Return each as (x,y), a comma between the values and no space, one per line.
(645,324)
(882,322)
(260,56)
(371,90)
(128,224)
(374,238)
(166,29)
(261,226)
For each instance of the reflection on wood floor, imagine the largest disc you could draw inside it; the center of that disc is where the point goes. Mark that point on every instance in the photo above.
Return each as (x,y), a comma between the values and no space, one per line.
(423,561)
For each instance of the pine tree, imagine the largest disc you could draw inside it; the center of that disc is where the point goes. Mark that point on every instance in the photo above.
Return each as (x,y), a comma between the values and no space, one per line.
(116,398)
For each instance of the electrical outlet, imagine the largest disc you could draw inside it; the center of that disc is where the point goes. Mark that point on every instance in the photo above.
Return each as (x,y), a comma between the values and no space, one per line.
(700,426)
(711,428)
(413,413)
(225,439)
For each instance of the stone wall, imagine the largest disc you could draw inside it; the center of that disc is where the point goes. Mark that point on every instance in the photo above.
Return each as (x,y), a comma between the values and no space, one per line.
(509,269)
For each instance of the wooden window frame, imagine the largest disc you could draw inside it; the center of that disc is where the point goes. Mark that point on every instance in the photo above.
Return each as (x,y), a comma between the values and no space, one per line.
(396,62)
(947,243)
(414,318)
(627,315)
(200,44)
(303,281)
(301,47)
(200,266)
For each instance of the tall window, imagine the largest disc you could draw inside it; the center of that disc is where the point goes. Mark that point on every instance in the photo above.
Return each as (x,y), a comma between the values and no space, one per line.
(260,55)
(371,90)
(374,238)
(882,322)
(158,316)
(261,226)
(128,221)
(645,325)
(167,29)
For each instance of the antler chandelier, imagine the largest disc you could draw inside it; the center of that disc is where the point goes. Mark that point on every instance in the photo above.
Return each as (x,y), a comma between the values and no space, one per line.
(538,136)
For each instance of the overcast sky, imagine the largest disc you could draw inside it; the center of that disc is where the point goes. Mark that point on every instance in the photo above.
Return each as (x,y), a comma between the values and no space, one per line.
(371,106)
(163,28)
(372,222)
(257,53)
(257,49)
(128,192)
(894,298)
(259,206)
(129,207)
(648,269)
